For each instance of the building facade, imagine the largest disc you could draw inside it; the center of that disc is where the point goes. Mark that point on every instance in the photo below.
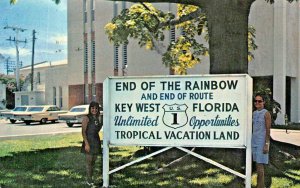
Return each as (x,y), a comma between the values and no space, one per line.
(92,58)
(278,56)
(50,85)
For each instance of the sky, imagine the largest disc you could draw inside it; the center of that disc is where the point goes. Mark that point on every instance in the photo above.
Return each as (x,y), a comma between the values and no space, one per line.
(46,18)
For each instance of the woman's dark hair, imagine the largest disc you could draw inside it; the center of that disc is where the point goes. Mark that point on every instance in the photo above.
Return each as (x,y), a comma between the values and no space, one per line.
(260,95)
(94,104)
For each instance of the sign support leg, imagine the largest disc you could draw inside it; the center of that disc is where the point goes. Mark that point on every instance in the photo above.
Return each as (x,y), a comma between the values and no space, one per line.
(248,167)
(105,163)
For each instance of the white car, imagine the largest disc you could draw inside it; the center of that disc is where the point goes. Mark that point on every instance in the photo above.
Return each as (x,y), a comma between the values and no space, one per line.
(75,115)
(40,114)
(2,110)
(10,115)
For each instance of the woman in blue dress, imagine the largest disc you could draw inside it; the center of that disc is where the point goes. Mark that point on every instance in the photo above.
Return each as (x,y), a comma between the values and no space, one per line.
(261,138)
(91,145)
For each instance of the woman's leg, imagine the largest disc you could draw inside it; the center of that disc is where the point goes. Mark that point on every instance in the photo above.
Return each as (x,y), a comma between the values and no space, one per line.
(89,167)
(94,160)
(260,175)
(90,162)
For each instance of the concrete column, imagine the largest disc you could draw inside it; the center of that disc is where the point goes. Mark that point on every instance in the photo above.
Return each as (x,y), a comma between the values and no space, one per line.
(295,81)
(297,117)
(279,76)
(294,98)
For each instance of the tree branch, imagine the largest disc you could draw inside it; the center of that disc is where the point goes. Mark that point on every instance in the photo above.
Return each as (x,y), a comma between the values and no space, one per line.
(182,19)
(156,18)
(186,2)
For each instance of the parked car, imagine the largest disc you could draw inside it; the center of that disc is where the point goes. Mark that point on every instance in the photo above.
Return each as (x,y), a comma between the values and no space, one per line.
(75,115)
(3,110)
(10,115)
(42,114)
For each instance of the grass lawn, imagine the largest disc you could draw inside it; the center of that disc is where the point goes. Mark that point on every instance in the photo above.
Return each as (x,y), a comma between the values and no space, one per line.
(56,161)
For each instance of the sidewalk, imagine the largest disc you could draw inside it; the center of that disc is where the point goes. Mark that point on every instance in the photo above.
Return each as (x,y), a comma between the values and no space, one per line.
(291,136)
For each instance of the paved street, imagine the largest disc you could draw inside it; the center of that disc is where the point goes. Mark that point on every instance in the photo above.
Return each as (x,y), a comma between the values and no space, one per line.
(20,129)
(291,136)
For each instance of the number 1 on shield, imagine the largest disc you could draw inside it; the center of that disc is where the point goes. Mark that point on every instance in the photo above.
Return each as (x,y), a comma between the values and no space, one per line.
(174,119)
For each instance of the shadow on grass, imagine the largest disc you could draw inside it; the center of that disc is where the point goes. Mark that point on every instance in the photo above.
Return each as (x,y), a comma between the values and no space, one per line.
(284,167)
(65,167)
(189,172)
(62,167)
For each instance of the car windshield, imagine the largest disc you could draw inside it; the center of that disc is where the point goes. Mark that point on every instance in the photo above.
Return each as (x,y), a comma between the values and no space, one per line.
(35,109)
(20,109)
(77,110)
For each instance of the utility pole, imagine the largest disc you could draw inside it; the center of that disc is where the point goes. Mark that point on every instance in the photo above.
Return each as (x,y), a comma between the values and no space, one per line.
(16,41)
(32,59)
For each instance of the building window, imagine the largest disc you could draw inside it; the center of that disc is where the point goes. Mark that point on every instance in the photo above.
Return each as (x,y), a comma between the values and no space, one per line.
(116,48)
(85,17)
(85,57)
(115,8)
(116,57)
(172,34)
(93,56)
(125,55)
(24,100)
(93,15)
(60,97)
(54,95)
(84,5)
(92,10)
(124,68)
(38,78)
(84,12)
(183,32)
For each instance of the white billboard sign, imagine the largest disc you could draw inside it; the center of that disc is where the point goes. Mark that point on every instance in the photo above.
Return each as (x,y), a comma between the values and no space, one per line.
(202,111)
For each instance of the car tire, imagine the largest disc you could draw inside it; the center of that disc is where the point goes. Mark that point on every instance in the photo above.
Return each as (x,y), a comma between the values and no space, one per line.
(12,121)
(43,121)
(27,122)
(53,121)
(70,124)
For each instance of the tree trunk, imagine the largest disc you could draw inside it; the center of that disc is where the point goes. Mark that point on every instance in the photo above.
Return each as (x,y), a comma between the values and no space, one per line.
(228,35)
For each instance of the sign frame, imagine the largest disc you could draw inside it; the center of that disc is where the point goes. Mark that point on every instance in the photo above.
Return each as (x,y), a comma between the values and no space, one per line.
(247,110)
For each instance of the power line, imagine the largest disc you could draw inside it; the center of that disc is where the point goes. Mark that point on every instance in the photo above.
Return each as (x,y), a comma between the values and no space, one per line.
(9,65)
